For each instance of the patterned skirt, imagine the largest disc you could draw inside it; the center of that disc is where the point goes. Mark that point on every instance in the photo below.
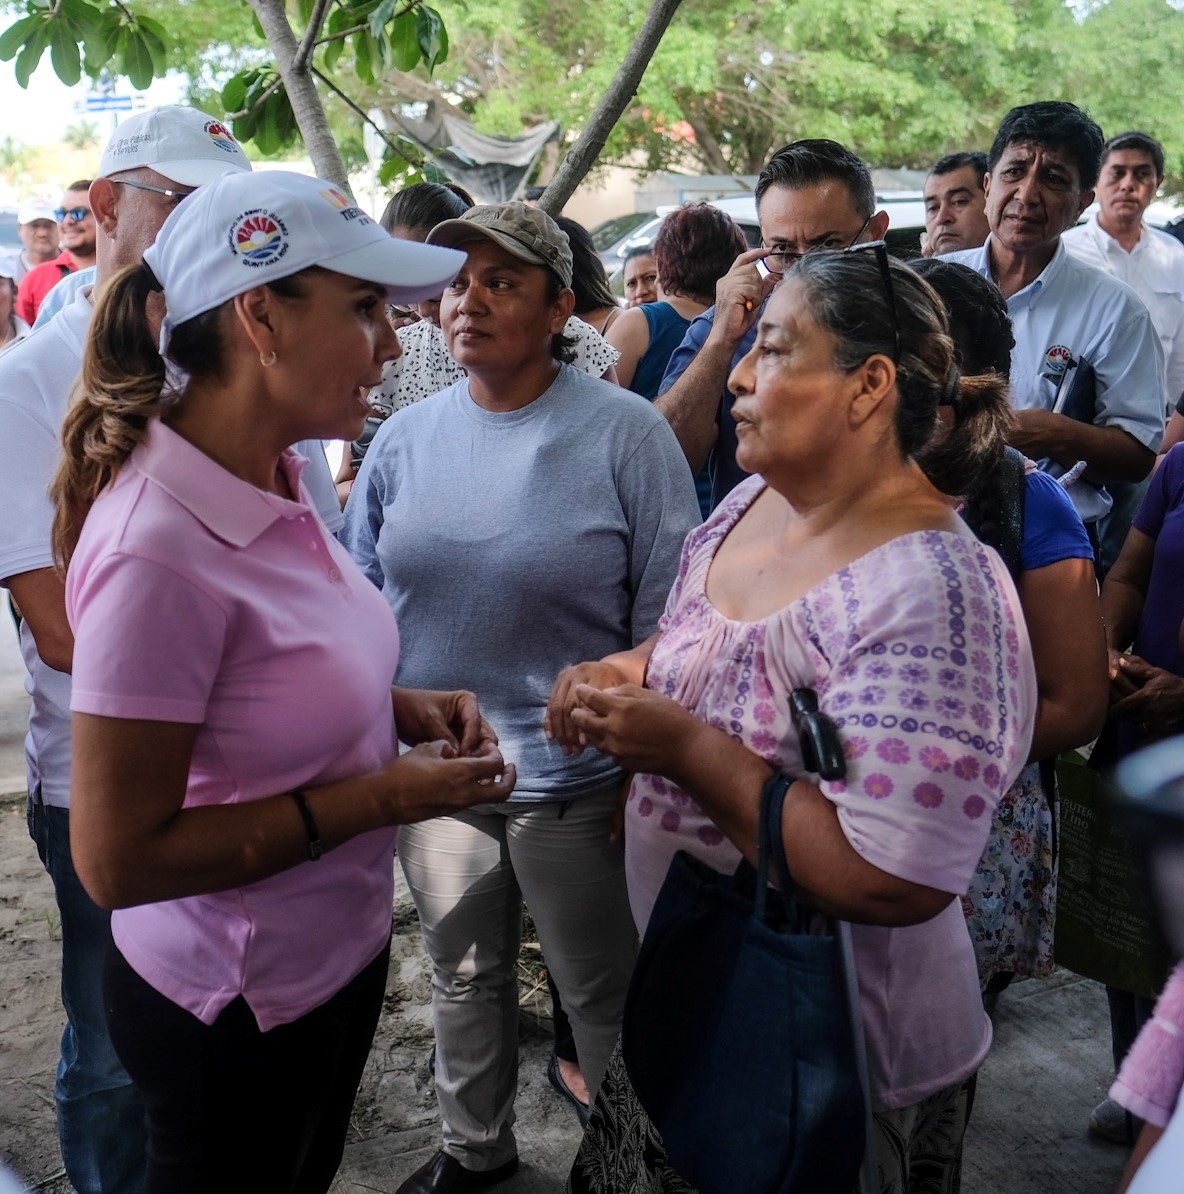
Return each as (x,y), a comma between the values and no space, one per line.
(1011,905)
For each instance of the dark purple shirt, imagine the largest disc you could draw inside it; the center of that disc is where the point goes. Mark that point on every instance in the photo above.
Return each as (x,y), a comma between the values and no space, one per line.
(1161,517)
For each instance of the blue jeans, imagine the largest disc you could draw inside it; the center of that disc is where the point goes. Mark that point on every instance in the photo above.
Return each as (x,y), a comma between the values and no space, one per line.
(101,1126)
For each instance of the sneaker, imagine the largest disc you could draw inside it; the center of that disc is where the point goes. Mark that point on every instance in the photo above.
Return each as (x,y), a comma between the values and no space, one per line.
(1111,1122)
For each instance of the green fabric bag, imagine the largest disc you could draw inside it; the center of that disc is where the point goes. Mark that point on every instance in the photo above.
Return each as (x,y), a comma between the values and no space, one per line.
(1102,930)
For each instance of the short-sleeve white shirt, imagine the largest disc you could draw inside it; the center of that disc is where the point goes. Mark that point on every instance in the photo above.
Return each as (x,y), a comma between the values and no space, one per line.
(36,379)
(1073,308)
(1154,270)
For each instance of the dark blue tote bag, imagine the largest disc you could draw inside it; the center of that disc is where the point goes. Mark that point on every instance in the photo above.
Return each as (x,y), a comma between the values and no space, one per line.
(737,1034)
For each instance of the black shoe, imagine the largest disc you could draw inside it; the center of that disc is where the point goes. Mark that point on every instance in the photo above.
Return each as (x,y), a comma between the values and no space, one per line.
(555,1077)
(446,1175)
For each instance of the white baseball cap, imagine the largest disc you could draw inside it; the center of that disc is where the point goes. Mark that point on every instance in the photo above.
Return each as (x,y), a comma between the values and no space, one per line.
(245,230)
(35,209)
(183,144)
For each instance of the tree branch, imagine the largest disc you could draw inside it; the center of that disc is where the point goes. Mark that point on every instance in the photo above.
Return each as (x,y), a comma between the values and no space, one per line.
(361,112)
(707,145)
(271,88)
(583,154)
(360,27)
(309,40)
(324,41)
(302,93)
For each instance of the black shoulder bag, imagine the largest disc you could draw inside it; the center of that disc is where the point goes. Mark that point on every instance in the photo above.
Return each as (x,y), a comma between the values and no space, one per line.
(737,1034)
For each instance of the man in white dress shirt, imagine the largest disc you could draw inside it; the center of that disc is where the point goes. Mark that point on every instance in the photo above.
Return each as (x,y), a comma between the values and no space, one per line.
(1118,239)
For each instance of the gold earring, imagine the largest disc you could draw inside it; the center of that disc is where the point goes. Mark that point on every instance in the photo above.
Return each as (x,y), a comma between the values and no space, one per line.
(267,359)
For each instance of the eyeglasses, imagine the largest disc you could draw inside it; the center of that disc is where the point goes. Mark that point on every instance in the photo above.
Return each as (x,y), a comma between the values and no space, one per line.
(77,214)
(175,196)
(778,260)
(880,249)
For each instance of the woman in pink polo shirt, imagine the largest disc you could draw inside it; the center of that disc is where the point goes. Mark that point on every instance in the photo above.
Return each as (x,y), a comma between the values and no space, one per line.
(237,779)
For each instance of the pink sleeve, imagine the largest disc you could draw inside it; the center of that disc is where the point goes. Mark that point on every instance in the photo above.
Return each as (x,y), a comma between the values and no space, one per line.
(933,692)
(1149,1083)
(147,643)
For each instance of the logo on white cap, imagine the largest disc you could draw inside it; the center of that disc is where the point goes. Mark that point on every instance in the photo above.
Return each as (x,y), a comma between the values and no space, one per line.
(259,237)
(222,137)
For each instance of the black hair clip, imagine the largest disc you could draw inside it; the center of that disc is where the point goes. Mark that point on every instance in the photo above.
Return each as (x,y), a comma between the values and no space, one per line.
(822,752)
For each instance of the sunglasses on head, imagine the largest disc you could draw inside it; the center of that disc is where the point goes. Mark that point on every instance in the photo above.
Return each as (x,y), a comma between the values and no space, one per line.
(880,249)
(77,214)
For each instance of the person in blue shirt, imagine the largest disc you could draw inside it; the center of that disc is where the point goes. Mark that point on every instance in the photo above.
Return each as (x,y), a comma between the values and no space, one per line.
(812,194)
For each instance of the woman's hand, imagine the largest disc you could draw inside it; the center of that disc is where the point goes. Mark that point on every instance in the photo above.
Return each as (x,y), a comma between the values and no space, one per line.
(557,723)
(641,729)
(432,780)
(1150,696)
(423,715)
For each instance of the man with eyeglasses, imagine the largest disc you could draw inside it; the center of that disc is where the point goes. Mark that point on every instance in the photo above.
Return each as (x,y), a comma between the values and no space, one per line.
(812,194)
(151,163)
(1087,370)
(77,234)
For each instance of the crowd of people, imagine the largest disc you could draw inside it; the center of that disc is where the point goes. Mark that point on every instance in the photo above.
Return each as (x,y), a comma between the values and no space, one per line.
(565,594)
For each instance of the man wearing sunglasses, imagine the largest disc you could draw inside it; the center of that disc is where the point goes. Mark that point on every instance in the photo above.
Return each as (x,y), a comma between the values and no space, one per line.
(1070,319)
(151,163)
(812,194)
(77,233)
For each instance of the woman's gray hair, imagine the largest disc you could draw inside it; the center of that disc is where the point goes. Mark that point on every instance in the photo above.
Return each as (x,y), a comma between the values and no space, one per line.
(846,295)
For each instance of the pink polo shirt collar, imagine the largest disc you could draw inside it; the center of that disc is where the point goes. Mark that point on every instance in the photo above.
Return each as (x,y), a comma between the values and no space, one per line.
(230,508)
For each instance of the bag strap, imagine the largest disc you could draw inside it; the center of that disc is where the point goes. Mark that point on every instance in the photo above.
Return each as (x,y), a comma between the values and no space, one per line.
(771,844)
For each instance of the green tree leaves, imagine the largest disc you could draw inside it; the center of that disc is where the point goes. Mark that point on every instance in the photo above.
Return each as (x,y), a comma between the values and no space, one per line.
(361,41)
(85,37)
(258,106)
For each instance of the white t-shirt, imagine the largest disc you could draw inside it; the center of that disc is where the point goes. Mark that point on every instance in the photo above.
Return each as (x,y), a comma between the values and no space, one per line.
(1074,309)
(37,377)
(1154,270)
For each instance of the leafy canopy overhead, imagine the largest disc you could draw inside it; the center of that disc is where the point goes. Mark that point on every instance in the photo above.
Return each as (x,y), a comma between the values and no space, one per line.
(900,81)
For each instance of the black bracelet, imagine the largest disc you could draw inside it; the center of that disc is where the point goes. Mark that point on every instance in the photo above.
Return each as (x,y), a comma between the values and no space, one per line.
(315,849)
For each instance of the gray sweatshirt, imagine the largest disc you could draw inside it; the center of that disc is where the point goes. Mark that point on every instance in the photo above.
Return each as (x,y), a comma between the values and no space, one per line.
(512,545)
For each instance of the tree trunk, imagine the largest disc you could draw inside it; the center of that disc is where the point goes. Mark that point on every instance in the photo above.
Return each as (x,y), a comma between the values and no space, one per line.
(583,154)
(302,92)
(707,147)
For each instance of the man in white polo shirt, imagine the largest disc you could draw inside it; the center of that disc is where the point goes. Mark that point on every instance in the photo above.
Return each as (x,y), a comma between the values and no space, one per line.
(154,160)
(1118,239)
(1069,319)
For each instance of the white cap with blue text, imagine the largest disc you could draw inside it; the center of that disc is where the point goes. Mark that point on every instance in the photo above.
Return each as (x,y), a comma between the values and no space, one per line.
(245,230)
(182,144)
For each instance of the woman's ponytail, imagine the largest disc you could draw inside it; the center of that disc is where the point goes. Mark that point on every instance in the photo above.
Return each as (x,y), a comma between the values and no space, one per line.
(958,460)
(121,388)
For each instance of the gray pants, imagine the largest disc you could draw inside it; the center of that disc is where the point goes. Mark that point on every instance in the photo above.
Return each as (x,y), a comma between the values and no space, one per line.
(468,875)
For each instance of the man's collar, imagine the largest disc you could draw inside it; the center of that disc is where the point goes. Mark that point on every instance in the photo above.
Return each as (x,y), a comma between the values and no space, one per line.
(1033,289)
(229,507)
(1108,238)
